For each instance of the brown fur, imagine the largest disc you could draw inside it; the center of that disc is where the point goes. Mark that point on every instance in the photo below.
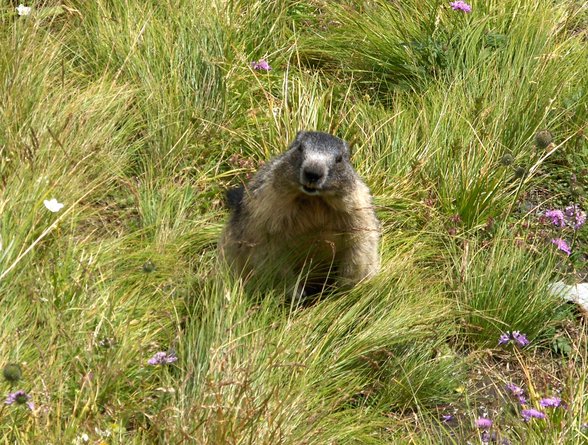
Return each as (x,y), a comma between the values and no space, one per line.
(333,235)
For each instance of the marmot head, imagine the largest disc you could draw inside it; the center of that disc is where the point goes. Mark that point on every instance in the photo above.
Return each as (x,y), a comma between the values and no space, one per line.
(317,165)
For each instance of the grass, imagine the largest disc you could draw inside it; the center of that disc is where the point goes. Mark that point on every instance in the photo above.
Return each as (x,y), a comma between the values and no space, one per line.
(138,115)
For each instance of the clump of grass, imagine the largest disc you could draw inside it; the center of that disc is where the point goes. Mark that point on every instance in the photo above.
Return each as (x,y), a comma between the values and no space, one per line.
(494,289)
(380,45)
(386,352)
(136,116)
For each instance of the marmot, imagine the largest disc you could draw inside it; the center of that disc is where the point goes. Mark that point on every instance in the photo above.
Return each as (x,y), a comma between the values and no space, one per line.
(305,214)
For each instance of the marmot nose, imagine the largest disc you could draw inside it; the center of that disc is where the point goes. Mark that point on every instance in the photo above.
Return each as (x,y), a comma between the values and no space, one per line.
(312,175)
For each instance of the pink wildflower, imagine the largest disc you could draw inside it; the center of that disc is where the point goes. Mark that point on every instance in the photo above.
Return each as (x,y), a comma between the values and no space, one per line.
(531,413)
(562,245)
(483,423)
(460,6)
(261,65)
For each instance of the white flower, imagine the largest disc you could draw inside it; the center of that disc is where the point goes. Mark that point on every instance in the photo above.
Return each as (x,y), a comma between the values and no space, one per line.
(102,433)
(52,205)
(23,10)
(82,438)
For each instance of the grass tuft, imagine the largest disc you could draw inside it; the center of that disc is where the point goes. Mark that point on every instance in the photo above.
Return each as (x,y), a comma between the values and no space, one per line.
(137,115)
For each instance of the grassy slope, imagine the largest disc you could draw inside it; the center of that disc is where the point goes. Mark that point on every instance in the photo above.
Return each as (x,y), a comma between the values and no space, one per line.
(136,115)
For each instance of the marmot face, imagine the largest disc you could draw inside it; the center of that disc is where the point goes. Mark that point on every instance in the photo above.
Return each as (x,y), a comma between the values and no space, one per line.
(316,164)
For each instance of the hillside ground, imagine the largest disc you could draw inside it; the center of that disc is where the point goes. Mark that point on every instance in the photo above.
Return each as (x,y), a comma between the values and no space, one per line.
(137,115)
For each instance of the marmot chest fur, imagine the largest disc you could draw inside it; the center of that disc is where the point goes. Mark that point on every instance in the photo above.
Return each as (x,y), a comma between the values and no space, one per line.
(304,212)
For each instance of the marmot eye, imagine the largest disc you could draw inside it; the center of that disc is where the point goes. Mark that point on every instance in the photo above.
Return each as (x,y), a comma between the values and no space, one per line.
(300,148)
(339,158)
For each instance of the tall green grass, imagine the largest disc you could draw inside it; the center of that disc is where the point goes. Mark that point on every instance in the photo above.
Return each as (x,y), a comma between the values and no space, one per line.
(138,115)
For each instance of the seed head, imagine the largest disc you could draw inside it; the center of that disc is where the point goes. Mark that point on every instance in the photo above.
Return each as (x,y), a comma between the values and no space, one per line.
(520,172)
(12,372)
(543,139)
(507,159)
(576,190)
(149,266)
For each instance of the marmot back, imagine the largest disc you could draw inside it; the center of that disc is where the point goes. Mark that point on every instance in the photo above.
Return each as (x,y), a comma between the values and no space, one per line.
(305,213)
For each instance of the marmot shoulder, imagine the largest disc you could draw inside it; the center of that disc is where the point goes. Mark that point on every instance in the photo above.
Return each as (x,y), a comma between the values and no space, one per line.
(305,214)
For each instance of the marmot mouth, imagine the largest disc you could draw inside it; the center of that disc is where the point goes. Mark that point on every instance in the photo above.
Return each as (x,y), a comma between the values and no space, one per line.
(309,190)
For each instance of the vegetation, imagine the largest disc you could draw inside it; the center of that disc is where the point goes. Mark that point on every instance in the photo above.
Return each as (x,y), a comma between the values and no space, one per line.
(138,114)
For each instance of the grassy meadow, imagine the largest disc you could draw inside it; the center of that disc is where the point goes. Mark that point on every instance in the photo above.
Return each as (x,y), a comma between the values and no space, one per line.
(137,115)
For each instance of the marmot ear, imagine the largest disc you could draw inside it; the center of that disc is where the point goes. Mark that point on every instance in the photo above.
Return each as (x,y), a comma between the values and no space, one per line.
(296,142)
(348,146)
(299,135)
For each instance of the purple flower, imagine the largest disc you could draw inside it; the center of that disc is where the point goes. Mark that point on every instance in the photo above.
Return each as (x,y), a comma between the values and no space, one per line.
(556,217)
(528,414)
(521,339)
(446,418)
(20,397)
(261,65)
(575,216)
(514,389)
(518,392)
(483,423)
(550,402)
(562,245)
(460,6)
(162,358)
(572,215)
(504,338)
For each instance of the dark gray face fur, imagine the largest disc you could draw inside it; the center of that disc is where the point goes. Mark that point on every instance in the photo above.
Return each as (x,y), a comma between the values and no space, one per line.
(318,164)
